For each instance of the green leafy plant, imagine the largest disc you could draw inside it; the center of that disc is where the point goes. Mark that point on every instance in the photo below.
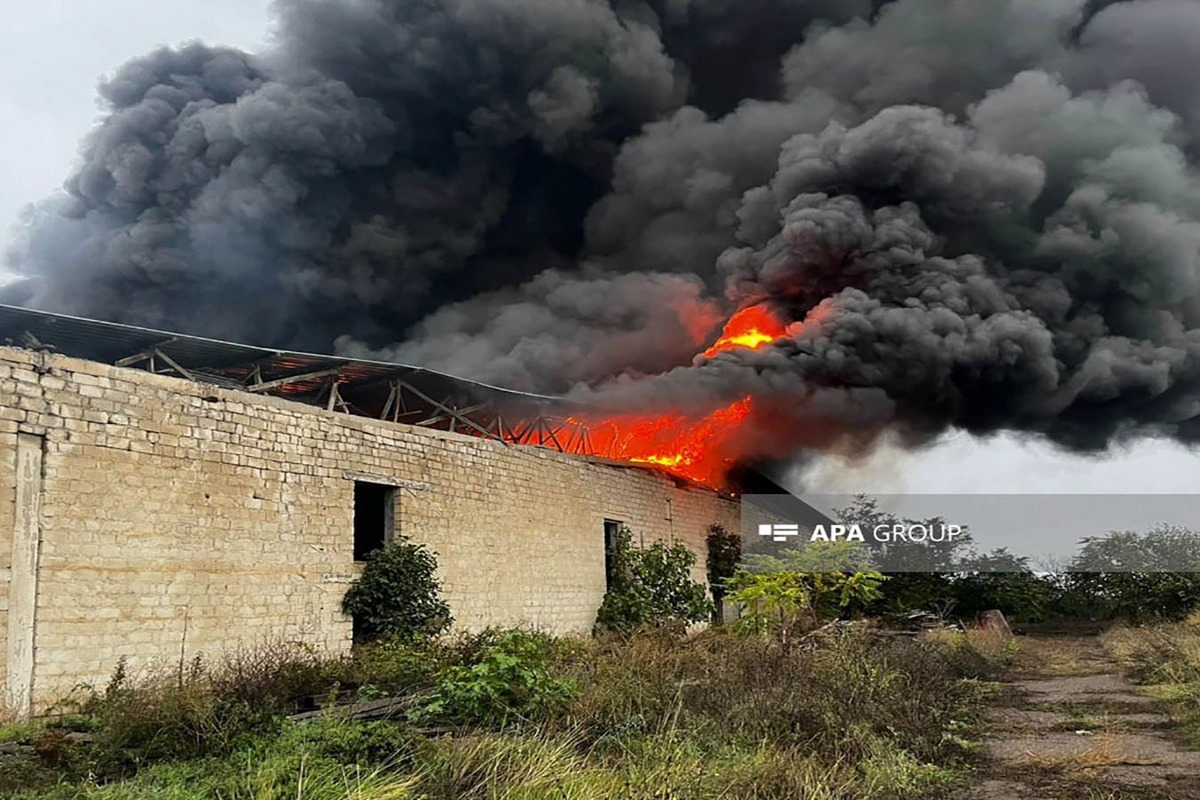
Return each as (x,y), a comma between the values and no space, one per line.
(785,601)
(772,602)
(398,595)
(509,682)
(652,586)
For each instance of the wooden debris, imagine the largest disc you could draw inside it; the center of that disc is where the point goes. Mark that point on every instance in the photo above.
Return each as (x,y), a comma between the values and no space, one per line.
(386,708)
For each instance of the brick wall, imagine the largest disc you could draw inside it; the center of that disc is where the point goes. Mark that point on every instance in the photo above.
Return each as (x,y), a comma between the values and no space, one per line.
(176,519)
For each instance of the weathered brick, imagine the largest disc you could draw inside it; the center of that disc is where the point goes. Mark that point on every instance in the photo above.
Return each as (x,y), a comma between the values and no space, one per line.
(238,516)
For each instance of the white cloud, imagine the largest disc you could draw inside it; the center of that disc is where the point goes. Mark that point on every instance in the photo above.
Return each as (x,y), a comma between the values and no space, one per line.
(1009,464)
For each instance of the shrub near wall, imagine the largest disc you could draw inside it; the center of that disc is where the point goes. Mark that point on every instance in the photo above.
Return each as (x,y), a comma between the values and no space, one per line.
(398,595)
(652,586)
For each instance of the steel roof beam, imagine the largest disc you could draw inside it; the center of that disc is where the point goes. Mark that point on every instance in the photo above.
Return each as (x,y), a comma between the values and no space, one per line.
(265,386)
(144,355)
(450,412)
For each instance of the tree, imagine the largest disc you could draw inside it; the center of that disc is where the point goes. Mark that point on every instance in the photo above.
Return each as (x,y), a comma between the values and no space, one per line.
(1150,575)
(916,579)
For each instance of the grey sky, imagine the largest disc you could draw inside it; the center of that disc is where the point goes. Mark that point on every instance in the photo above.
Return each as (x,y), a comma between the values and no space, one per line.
(53,52)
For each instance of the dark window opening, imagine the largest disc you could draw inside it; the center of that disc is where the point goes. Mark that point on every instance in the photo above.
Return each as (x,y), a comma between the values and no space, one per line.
(373,510)
(611,528)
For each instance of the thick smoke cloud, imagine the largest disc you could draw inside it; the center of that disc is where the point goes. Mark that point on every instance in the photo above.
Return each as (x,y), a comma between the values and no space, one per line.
(559,330)
(974,215)
(1153,42)
(945,53)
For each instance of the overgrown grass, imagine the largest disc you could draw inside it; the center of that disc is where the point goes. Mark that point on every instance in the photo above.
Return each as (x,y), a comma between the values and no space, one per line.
(1166,659)
(750,689)
(520,715)
(315,761)
(529,764)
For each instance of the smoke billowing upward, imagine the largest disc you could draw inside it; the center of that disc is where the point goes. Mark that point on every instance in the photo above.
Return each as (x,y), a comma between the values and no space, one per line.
(983,215)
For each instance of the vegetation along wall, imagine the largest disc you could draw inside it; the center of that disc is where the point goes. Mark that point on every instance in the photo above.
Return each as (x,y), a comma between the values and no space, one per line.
(156,519)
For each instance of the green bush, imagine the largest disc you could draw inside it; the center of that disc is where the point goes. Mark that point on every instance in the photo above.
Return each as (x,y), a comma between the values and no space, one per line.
(398,595)
(1022,596)
(784,602)
(509,682)
(387,666)
(651,586)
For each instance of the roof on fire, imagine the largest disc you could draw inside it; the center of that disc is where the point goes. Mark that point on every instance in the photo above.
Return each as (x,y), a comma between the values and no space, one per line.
(377,389)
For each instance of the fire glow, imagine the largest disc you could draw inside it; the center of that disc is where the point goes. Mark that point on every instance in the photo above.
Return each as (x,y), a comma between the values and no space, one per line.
(753,327)
(701,450)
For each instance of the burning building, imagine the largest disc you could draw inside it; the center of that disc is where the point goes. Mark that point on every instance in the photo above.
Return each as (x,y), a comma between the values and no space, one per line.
(164,496)
(716,232)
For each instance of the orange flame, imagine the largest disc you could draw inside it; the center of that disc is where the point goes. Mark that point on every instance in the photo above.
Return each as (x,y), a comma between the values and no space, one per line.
(701,450)
(753,327)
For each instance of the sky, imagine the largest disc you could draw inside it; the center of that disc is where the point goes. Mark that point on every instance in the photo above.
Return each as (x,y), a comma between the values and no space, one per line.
(1008,464)
(53,53)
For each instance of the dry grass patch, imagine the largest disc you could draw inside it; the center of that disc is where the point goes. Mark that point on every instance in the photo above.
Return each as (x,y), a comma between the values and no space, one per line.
(1159,654)
(1102,751)
(1054,658)
(1166,660)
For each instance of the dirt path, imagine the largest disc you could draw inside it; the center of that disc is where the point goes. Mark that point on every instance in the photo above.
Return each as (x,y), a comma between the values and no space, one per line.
(1072,727)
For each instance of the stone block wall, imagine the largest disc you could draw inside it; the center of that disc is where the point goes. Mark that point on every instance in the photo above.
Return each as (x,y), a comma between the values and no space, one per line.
(157,519)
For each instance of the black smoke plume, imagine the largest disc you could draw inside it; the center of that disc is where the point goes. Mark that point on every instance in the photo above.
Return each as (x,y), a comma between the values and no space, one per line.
(982,215)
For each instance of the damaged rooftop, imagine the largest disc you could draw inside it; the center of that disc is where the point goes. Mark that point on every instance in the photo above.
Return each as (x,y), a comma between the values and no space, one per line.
(380,390)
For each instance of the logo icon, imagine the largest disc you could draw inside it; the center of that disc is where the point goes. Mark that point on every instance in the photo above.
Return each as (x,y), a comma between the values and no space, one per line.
(778,532)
